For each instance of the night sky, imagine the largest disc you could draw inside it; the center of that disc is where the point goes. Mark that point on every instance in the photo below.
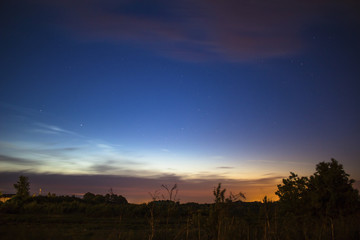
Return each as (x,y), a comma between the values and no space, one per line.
(130,95)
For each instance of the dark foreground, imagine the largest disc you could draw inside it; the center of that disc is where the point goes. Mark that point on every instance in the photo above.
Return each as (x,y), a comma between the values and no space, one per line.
(74,219)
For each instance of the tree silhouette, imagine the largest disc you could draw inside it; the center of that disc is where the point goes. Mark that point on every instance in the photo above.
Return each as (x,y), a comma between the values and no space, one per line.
(22,187)
(327,195)
(293,193)
(88,197)
(331,190)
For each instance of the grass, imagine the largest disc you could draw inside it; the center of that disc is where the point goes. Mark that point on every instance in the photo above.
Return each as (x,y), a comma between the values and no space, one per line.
(19,226)
(189,222)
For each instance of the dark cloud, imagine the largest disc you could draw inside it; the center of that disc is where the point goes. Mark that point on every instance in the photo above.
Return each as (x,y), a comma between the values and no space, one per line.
(17,161)
(104,167)
(225,167)
(200,29)
(101,168)
(59,150)
(115,165)
(69,149)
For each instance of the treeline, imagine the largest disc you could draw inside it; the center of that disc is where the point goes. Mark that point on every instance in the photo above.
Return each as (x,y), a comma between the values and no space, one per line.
(160,219)
(92,205)
(322,206)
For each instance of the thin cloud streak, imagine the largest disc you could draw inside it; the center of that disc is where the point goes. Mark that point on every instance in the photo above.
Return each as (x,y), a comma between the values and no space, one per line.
(51,129)
(225,167)
(15,109)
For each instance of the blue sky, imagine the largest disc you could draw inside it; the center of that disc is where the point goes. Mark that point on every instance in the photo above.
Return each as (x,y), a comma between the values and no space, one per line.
(192,92)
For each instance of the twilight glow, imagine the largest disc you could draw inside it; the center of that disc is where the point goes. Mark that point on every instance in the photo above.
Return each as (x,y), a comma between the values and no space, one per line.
(130,95)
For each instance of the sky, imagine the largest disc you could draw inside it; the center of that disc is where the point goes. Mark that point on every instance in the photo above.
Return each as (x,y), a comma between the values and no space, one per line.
(131,95)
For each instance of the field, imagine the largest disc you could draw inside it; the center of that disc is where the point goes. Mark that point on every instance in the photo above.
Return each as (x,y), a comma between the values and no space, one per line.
(168,220)
(72,226)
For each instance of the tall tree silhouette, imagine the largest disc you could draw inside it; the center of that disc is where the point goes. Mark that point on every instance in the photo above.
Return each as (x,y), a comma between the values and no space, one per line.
(331,190)
(22,187)
(327,195)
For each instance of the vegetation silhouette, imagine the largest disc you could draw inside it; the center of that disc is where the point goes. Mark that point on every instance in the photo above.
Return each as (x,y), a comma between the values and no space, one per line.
(22,187)
(324,198)
(324,205)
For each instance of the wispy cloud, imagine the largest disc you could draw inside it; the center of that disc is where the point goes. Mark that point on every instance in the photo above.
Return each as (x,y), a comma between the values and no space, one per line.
(51,129)
(105,146)
(24,111)
(78,156)
(282,162)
